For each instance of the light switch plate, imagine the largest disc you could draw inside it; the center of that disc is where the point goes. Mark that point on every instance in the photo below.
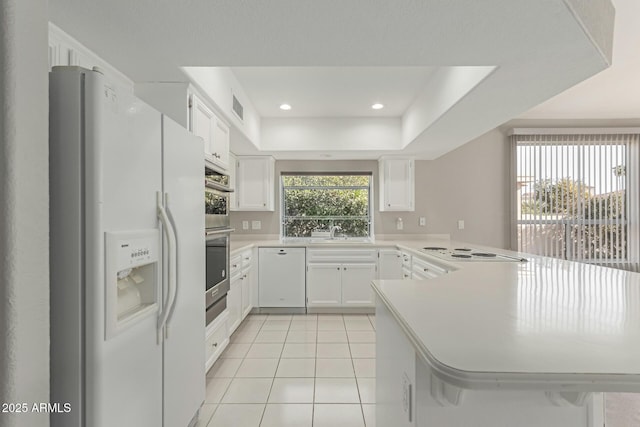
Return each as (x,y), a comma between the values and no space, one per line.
(245,225)
(423,221)
(256,225)
(461,224)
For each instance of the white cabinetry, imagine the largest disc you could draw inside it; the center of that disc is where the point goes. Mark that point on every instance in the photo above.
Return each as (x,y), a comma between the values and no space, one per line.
(246,282)
(214,132)
(341,278)
(239,297)
(190,108)
(397,188)
(356,284)
(217,339)
(406,264)
(422,269)
(255,183)
(324,285)
(389,264)
(233,163)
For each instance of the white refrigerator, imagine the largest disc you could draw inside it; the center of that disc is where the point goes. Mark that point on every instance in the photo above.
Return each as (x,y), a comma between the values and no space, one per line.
(127,259)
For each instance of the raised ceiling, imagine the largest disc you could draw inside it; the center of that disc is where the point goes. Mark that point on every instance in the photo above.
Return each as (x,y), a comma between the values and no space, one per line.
(332,91)
(521,52)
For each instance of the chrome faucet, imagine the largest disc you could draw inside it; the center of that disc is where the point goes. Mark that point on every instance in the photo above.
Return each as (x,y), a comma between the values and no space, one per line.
(332,231)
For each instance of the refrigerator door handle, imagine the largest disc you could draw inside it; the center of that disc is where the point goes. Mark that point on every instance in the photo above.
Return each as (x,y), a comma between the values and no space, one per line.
(167,228)
(174,230)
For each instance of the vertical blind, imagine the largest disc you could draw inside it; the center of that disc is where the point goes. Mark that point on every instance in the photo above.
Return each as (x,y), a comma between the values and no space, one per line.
(577,195)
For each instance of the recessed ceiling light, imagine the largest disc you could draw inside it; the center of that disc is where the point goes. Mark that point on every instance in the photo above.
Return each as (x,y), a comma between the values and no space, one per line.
(285,107)
(377,106)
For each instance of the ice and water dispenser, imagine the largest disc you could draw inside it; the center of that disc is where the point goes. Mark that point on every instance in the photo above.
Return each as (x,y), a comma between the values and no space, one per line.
(131,278)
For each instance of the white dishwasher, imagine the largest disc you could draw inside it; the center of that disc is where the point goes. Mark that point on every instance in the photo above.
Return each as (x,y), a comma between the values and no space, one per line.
(281,277)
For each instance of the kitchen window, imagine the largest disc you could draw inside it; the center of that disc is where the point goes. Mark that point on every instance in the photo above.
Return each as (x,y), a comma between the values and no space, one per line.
(576,196)
(326,204)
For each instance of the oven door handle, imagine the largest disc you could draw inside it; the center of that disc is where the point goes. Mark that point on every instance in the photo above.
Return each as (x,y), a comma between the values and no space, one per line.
(167,228)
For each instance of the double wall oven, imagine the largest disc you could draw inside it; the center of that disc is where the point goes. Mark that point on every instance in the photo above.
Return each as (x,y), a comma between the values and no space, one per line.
(218,236)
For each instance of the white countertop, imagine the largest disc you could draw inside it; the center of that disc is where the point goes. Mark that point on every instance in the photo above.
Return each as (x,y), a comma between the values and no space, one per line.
(546,324)
(541,324)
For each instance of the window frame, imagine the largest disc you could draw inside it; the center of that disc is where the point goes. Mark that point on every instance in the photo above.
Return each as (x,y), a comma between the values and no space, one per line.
(370,204)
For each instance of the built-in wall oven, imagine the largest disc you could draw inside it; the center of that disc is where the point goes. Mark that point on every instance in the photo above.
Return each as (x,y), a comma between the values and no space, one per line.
(218,235)
(217,277)
(216,199)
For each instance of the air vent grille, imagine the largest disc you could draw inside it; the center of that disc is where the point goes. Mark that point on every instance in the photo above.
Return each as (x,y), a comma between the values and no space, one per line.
(238,108)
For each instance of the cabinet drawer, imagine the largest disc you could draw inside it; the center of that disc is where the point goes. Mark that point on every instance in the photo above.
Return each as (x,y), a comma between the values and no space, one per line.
(217,339)
(235,264)
(406,260)
(247,256)
(342,255)
(426,268)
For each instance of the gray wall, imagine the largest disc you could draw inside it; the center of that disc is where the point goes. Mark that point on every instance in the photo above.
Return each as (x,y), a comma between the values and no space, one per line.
(24,214)
(470,183)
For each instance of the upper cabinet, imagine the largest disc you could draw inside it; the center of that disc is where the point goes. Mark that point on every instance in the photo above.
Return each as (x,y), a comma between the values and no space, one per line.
(187,106)
(214,132)
(255,183)
(397,188)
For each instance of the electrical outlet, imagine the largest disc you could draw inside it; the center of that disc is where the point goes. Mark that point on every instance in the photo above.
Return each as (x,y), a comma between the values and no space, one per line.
(245,225)
(399,224)
(256,225)
(423,221)
(461,224)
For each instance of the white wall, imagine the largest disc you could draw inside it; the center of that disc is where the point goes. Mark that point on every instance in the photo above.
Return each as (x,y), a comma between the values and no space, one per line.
(324,134)
(24,215)
(469,183)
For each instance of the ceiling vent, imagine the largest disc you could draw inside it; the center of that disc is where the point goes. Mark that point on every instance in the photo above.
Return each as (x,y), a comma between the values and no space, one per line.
(238,108)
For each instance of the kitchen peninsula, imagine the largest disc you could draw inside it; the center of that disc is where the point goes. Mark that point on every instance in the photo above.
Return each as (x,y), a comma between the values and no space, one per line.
(506,344)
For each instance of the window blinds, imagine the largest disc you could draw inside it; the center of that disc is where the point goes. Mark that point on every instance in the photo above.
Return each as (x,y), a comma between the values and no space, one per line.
(576,196)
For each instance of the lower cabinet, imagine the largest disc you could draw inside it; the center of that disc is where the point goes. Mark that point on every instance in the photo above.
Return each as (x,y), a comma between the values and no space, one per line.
(217,339)
(234,303)
(340,285)
(246,287)
(324,285)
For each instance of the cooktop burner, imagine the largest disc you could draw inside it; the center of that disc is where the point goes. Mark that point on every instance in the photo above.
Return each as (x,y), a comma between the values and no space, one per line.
(471,254)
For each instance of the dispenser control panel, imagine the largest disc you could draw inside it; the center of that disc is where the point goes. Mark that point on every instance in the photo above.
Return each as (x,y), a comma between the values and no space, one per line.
(138,250)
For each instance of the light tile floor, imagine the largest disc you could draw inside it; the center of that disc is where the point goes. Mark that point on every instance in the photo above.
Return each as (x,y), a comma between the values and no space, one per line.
(295,371)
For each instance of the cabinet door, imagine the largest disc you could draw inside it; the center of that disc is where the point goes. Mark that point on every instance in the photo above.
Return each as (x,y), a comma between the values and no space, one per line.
(356,285)
(202,124)
(397,185)
(234,304)
(220,144)
(255,182)
(246,292)
(390,264)
(233,197)
(323,285)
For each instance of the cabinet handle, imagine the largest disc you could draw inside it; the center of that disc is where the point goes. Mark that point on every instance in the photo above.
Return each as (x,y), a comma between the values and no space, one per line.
(389,205)
(425,269)
(345,268)
(264,204)
(235,265)
(215,344)
(338,268)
